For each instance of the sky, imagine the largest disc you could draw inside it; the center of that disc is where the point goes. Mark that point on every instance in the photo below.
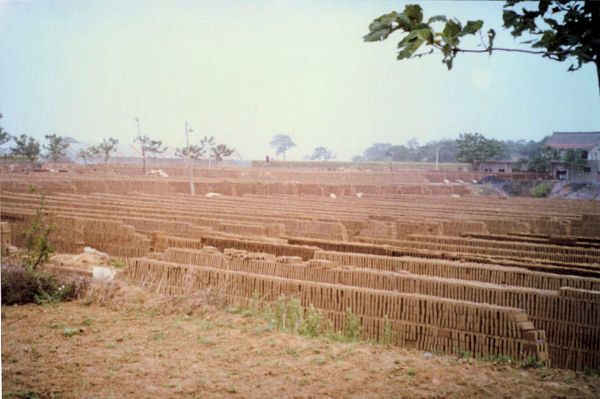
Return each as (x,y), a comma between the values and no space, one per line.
(245,71)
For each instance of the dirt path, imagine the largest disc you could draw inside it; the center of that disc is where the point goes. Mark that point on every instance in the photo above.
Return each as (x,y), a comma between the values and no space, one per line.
(135,351)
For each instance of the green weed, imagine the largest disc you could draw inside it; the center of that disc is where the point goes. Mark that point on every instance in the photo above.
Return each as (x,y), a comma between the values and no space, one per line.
(352,327)
(388,336)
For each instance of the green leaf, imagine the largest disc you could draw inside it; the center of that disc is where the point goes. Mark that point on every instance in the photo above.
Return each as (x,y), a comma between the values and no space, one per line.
(491,36)
(414,12)
(404,22)
(545,40)
(509,17)
(437,18)
(446,50)
(425,34)
(377,35)
(381,27)
(448,63)
(472,27)
(410,46)
(451,32)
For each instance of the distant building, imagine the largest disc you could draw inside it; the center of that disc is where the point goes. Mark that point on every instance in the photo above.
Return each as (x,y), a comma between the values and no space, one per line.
(502,166)
(587,146)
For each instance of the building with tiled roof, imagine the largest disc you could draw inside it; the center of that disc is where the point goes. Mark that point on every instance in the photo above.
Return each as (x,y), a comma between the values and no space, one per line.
(587,146)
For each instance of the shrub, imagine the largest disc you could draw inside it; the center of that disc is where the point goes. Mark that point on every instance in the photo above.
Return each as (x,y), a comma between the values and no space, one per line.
(388,336)
(22,281)
(540,191)
(352,327)
(512,188)
(531,362)
(314,324)
(286,314)
(20,286)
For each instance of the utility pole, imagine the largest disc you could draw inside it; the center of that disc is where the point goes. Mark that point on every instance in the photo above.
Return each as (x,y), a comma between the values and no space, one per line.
(189,157)
(437,157)
(137,119)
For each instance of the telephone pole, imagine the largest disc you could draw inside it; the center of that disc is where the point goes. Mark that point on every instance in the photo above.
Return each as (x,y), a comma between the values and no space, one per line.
(137,119)
(189,157)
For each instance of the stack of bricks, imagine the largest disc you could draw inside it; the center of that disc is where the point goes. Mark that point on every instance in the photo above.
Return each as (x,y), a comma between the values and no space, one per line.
(5,238)
(436,322)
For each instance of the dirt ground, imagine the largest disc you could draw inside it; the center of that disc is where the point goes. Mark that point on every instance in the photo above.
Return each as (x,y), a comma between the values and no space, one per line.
(121,342)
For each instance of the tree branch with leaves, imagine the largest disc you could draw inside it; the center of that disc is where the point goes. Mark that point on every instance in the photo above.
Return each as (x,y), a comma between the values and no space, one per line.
(27,147)
(560,30)
(221,151)
(148,145)
(104,149)
(4,136)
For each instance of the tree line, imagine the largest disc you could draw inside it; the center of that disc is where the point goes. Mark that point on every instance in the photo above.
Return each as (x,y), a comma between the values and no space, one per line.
(472,148)
(475,149)
(30,149)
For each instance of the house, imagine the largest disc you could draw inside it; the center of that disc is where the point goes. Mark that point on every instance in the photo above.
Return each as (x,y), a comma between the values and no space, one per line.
(586,145)
(502,166)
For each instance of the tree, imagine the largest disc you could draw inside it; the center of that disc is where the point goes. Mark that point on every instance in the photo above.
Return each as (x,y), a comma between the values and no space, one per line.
(194,151)
(149,145)
(560,30)
(442,150)
(4,136)
(398,153)
(281,143)
(207,144)
(474,148)
(105,149)
(27,147)
(542,161)
(85,155)
(221,151)
(377,152)
(321,154)
(573,159)
(413,143)
(56,147)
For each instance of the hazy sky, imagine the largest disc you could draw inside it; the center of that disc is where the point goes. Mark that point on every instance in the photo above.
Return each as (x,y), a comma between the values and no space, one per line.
(245,71)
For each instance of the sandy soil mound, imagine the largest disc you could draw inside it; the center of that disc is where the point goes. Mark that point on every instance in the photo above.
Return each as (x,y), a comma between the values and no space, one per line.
(586,191)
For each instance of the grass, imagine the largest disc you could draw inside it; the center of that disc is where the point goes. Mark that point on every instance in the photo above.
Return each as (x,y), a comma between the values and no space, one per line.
(287,315)
(116,263)
(24,394)
(320,360)
(232,389)
(69,332)
(205,341)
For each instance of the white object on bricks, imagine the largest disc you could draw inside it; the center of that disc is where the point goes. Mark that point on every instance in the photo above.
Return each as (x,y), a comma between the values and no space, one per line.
(103,273)
(91,250)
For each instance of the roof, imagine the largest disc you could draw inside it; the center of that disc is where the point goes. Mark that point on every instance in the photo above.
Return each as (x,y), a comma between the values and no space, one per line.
(578,140)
